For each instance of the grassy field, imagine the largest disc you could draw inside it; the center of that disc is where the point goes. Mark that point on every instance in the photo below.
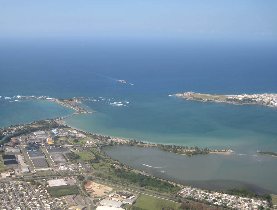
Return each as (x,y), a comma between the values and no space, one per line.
(274,199)
(200,96)
(145,202)
(63,190)
(2,166)
(86,155)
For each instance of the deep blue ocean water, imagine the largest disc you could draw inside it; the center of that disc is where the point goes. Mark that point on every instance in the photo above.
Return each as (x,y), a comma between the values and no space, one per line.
(89,68)
(67,68)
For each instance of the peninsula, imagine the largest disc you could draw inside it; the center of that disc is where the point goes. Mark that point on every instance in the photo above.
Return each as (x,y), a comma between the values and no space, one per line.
(74,103)
(265,99)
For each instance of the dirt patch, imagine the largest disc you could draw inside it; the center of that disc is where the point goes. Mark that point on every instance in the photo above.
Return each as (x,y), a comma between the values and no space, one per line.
(97,190)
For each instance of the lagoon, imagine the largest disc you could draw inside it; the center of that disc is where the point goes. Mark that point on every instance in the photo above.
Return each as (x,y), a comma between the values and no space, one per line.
(215,172)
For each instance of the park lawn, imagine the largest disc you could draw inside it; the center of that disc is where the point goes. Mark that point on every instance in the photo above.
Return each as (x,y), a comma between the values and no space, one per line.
(274,199)
(2,166)
(86,155)
(146,202)
(63,190)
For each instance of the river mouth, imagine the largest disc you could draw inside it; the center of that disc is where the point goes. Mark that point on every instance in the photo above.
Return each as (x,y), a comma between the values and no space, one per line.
(212,172)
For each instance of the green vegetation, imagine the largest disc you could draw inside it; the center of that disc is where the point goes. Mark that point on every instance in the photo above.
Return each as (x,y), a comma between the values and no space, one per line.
(101,162)
(146,181)
(80,177)
(274,199)
(184,149)
(2,166)
(72,156)
(86,155)
(207,97)
(63,190)
(145,202)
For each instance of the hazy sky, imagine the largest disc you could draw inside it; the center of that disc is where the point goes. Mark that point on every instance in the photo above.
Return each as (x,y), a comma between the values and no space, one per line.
(226,19)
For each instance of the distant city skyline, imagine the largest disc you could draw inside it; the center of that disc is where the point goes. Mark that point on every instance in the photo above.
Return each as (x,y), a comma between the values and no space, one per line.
(219,19)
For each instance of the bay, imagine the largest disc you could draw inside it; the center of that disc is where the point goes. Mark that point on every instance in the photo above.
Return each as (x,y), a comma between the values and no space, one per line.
(157,68)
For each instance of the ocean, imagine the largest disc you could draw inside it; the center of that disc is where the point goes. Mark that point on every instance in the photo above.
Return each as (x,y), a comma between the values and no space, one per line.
(68,68)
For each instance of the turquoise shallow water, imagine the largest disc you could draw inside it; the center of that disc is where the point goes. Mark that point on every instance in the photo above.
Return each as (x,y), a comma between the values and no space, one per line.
(12,113)
(245,129)
(174,121)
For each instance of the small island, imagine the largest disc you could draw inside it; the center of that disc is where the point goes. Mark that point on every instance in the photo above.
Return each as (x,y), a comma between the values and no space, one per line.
(266,99)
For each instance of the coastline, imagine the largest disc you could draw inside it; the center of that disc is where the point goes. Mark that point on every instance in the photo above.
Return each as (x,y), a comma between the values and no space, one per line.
(75,104)
(112,141)
(182,150)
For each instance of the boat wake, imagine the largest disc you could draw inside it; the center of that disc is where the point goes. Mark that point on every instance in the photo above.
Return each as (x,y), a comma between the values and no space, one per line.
(149,166)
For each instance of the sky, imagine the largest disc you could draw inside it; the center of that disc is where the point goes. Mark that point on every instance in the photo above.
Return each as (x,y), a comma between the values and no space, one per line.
(218,19)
